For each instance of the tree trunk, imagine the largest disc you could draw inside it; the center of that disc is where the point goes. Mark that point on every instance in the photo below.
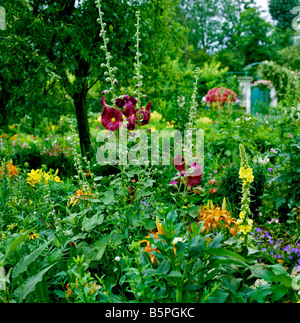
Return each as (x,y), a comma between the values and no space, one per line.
(83,122)
(79,98)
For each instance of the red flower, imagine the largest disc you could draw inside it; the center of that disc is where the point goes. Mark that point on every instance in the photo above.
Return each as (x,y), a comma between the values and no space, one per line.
(195,178)
(213,190)
(179,163)
(126,105)
(146,114)
(111,118)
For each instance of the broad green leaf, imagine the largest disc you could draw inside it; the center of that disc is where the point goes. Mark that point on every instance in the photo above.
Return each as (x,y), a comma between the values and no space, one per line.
(29,286)
(109,197)
(15,243)
(89,223)
(224,252)
(27,260)
(164,266)
(175,273)
(285,279)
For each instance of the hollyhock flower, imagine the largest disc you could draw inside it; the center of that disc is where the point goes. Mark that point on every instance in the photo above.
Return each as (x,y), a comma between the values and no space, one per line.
(132,121)
(111,118)
(126,104)
(179,163)
(146,114)
(195,178)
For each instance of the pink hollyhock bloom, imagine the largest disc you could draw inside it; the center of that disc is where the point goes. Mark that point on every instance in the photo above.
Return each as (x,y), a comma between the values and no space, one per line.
(195,178)
(111,118)
(179,163)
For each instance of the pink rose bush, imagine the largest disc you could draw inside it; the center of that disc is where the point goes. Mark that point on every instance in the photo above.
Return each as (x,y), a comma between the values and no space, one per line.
(218,97)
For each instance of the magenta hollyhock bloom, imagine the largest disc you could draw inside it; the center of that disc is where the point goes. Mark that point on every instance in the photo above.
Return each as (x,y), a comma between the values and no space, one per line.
(126,104)
(132,121)
(179,163)
(111,118)
(195,178)
(146,114)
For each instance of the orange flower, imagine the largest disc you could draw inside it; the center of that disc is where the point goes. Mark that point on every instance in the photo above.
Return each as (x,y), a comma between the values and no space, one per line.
(80,195)
(148,247)
(69,287)
(11,170)
(214,217)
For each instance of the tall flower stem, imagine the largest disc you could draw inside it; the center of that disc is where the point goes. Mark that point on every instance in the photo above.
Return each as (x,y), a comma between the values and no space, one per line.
(245,173)
(110,70)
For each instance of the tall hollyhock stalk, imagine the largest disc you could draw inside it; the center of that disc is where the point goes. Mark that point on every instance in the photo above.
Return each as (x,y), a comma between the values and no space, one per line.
(110,76)
(245,173)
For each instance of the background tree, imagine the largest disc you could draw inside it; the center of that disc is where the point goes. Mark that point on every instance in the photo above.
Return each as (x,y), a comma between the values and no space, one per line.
(281,11)
(66,34)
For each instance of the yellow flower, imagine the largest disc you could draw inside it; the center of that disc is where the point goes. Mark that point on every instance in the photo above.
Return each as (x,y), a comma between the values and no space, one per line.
(38,176)
(246,174)
(242,214)
(33,235)
(155,116)
(35,176)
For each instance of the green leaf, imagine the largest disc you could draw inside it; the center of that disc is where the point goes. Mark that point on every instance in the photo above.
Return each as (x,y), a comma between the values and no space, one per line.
(278,291)
(179,248)
(175,273)
(99,248)
(29,286)
(260,293)
(22,265)
(224,252)
(285,279)
(90,223)
(14,244)
(109,197)
(164,266)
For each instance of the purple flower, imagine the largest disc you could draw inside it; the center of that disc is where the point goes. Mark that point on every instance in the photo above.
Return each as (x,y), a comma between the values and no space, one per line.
(267,235)
(272,150)
(258,229)
(270,170)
